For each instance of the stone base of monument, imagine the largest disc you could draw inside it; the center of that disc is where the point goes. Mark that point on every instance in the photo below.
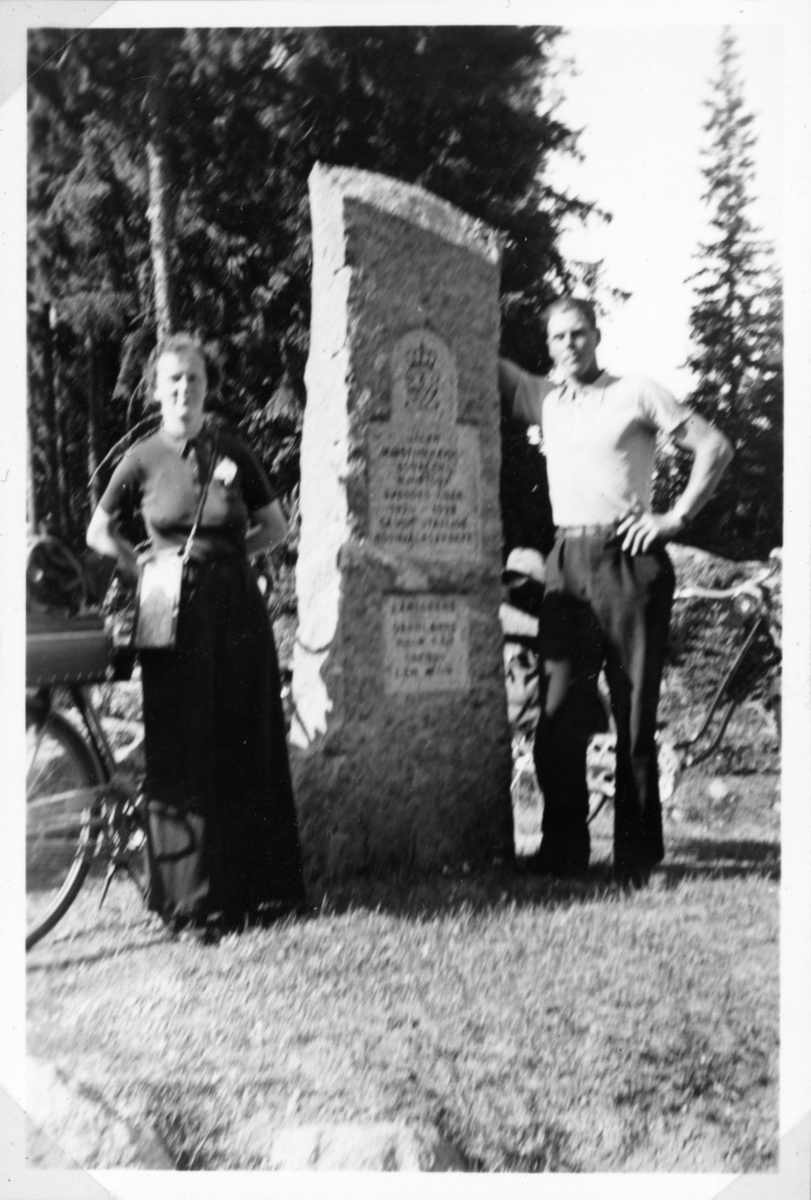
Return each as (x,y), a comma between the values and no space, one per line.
(400,742)
(411,773)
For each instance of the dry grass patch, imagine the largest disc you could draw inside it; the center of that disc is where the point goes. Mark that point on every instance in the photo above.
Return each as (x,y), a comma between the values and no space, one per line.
(540,1027)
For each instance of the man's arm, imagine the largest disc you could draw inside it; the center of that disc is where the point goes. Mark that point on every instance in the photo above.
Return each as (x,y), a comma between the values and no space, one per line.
(712,453)
(268,528)
(509,376)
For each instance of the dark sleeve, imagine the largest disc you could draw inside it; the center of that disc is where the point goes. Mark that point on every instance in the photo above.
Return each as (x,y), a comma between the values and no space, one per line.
(256,487)
(122,490)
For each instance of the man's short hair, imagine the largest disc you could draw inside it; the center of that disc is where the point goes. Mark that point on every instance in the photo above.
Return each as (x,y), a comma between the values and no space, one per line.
(570,304)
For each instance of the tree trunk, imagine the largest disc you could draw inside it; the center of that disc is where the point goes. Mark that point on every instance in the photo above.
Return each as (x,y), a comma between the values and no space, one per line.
(31,508)
(93,422)
(161,204)
(56,495)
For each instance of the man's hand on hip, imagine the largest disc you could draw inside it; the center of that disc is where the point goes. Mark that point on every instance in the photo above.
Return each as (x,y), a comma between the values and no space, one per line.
(640,529)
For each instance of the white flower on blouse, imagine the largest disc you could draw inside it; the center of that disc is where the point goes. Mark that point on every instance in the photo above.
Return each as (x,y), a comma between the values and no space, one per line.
(225,472)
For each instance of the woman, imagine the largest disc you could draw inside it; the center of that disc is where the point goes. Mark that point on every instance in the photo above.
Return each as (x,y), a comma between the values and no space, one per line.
(223,836)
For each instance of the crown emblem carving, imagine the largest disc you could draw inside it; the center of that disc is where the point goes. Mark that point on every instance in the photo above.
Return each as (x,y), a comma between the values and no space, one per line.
(422,358)
(422,378)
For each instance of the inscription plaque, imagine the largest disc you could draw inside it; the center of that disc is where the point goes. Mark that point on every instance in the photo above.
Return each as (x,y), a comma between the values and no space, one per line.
(424,467)
(426,639)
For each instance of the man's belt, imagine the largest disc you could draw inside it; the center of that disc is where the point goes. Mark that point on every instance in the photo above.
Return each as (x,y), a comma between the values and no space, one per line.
(588,530)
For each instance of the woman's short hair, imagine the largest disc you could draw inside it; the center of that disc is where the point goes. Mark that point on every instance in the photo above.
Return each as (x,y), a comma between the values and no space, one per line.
(176,343)
(570,304)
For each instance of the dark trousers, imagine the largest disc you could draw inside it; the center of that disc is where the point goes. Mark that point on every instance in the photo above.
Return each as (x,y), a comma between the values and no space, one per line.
(603,608)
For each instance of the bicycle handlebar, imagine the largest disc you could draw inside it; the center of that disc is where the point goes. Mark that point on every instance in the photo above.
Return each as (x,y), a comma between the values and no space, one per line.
(750,587)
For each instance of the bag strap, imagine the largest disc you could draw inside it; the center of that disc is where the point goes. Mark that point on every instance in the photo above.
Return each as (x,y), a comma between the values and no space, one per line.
(203,494)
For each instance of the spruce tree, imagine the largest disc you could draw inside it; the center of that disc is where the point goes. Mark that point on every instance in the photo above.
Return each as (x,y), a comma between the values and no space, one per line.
(736,328)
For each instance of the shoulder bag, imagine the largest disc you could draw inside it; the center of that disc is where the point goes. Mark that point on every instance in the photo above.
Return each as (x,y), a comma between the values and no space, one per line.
(157,601)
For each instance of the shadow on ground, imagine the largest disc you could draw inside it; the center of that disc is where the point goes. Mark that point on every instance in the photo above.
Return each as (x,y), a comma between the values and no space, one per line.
(694,859)
(725,857)
(130,943)
(475,891)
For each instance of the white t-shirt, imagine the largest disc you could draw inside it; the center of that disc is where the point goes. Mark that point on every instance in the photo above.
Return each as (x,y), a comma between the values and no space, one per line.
(599,440)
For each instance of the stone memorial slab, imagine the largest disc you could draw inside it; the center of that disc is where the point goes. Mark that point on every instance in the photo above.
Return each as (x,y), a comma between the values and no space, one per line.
(400,743)
(426,644)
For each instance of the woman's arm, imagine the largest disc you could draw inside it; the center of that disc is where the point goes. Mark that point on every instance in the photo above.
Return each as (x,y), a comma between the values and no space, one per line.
(103,537)
(268,528)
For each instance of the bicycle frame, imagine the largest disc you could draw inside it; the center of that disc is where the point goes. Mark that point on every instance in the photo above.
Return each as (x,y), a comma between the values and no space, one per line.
(92,729)
(95,731)
(755,591)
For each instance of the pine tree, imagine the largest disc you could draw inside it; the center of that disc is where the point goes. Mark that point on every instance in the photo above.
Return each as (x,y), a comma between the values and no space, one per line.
(736,327)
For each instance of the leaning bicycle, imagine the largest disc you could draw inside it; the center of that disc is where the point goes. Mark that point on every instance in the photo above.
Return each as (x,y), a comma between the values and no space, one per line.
(84,808)
(752,672)
(751,675)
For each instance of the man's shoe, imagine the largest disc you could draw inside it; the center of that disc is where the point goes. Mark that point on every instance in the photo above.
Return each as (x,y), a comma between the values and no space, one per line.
(558,868)
(633,878)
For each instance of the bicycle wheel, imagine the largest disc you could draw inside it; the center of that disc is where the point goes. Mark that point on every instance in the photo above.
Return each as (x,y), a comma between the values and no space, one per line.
(62,806)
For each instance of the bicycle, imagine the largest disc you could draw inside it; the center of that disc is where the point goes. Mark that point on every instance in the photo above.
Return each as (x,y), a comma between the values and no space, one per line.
(83,806)
(753,665)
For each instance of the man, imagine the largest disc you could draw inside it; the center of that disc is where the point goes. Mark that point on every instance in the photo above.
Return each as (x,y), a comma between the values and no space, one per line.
(609,584)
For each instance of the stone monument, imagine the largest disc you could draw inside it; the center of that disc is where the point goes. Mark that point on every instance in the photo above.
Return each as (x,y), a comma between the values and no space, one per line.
(400,744)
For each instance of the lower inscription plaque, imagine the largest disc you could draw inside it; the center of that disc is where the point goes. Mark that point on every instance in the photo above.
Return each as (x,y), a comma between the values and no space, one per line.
(426,639)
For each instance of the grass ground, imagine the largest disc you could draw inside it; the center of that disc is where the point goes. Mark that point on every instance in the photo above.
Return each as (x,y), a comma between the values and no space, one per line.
(541,1027)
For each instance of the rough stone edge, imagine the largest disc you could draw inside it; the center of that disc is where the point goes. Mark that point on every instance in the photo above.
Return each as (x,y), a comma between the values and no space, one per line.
(413,204)
(375,1146)
(318,585)
(60,1111)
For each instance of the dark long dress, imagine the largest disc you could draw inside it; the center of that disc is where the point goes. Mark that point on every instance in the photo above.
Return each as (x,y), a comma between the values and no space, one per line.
(223,836)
